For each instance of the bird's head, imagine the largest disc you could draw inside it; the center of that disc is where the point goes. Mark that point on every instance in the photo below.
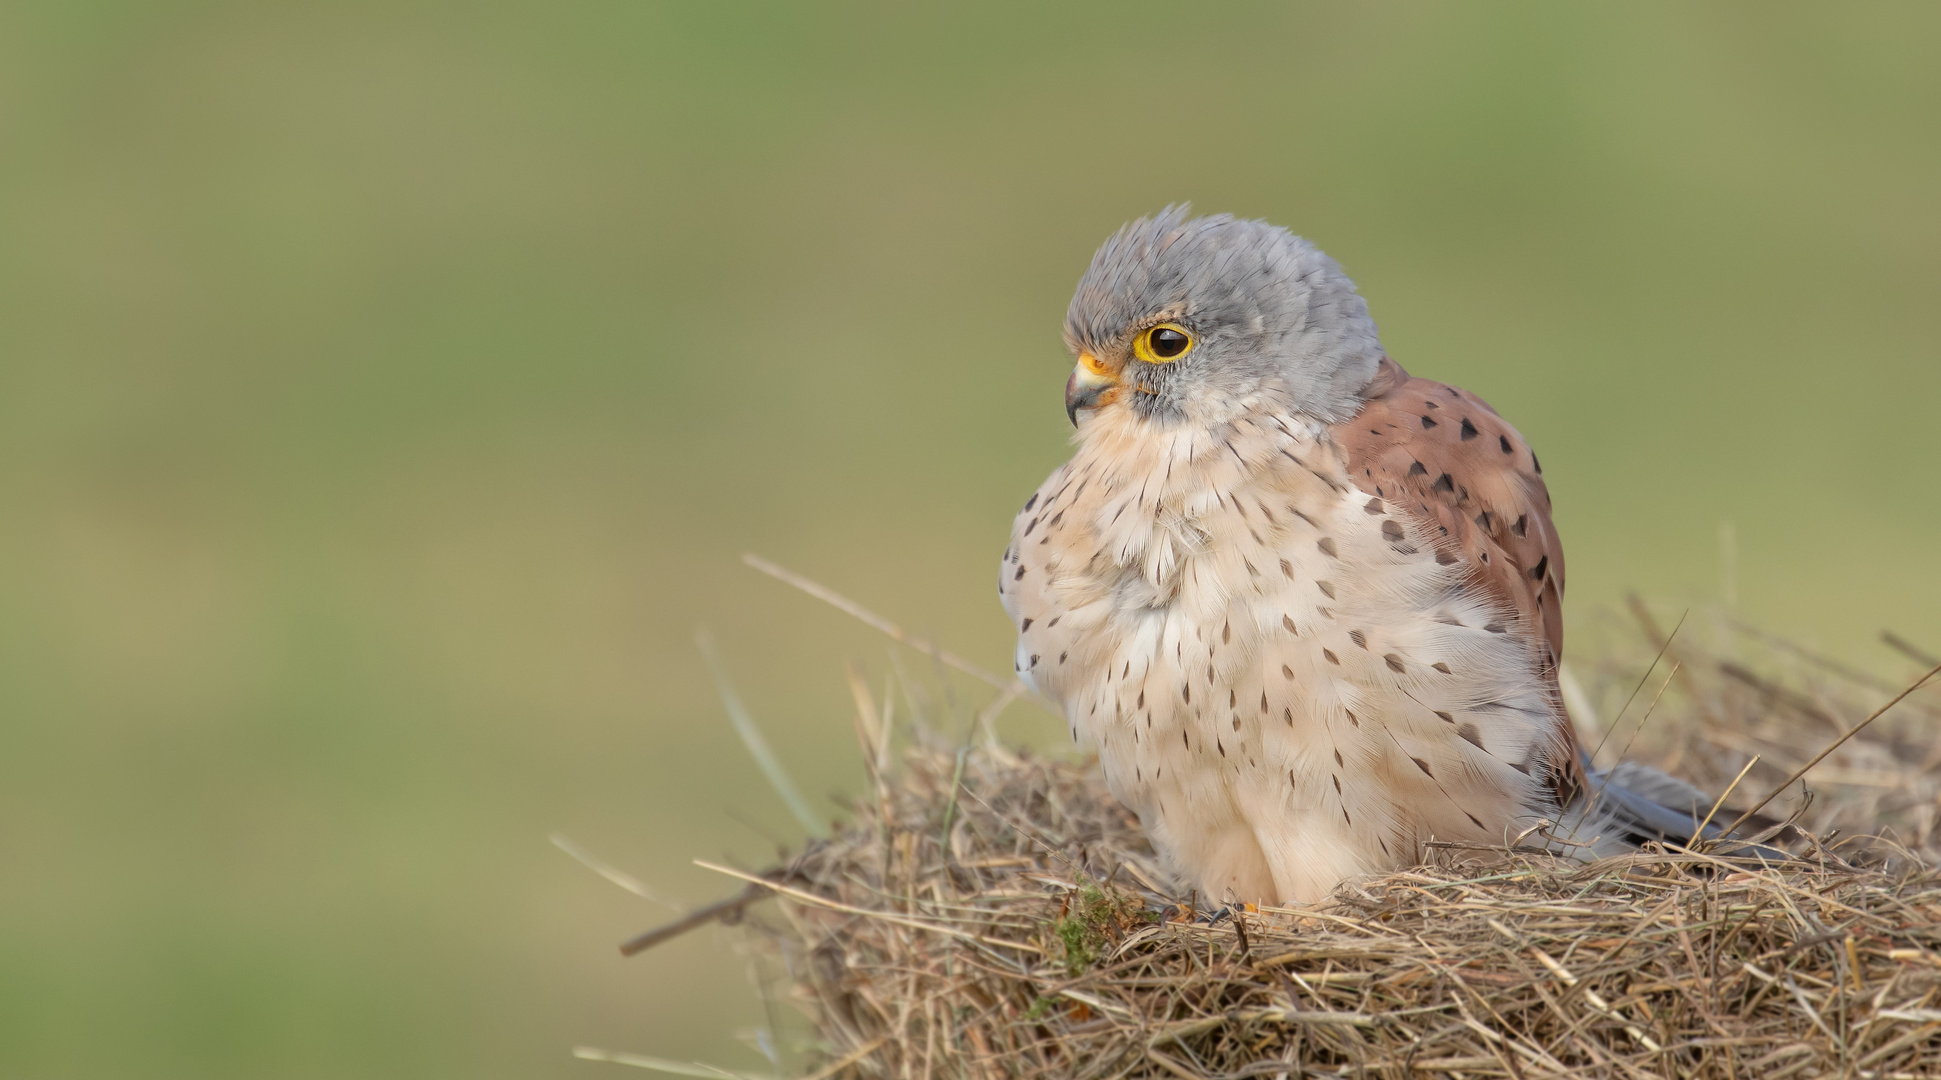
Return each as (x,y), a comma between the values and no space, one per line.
(1198,321)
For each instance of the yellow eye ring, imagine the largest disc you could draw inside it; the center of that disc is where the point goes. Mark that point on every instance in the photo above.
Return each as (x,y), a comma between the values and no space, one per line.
(1163,344)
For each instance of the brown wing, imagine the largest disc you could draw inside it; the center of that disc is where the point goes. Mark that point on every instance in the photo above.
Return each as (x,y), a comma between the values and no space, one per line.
(1444,453)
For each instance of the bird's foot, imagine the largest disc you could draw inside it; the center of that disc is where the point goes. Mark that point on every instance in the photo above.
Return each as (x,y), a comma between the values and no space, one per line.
(1216,916)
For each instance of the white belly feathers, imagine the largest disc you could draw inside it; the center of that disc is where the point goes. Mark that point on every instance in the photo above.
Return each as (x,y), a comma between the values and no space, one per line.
(1279,676)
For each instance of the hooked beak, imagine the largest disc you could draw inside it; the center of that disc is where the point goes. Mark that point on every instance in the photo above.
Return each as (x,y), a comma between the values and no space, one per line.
(1090,386)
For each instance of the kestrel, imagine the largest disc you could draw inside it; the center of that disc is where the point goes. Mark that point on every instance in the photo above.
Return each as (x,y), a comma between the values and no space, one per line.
(1305,605)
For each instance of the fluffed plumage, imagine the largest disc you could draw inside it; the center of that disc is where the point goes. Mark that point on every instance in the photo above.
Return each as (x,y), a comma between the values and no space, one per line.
(1306,607)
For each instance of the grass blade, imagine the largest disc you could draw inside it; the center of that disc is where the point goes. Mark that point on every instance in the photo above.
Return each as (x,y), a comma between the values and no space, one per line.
(751,737)
(662,1065)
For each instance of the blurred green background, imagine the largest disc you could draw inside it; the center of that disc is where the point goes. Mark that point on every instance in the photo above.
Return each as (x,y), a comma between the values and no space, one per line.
(386,393)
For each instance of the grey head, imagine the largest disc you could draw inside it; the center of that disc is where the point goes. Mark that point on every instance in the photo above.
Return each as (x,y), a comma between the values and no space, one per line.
(1199,320)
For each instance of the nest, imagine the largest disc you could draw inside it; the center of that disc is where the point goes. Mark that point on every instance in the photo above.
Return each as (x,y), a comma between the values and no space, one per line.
(1041,939)
(988,912)
(991,913)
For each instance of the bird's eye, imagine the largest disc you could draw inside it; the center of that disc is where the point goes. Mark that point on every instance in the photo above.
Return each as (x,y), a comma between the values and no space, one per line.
(1163,343)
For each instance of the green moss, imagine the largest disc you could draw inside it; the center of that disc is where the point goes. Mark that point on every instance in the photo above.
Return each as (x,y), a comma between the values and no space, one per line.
(1095,918)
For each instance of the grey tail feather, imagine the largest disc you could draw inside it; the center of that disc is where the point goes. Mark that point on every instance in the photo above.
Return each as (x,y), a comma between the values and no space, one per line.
(1630,804)
(1665,790)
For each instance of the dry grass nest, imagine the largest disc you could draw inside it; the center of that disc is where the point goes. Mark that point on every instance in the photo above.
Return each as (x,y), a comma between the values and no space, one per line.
(992,913)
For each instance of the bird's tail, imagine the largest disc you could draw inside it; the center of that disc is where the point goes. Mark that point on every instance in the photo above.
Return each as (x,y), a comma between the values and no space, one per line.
(1629,804)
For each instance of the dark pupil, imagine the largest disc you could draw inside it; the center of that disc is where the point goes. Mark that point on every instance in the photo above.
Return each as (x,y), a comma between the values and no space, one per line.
(1168,343)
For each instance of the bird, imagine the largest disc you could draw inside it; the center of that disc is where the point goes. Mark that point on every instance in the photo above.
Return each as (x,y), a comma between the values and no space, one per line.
(1305,606)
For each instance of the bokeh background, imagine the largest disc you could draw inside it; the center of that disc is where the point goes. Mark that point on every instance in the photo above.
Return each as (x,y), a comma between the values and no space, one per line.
(387,391)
